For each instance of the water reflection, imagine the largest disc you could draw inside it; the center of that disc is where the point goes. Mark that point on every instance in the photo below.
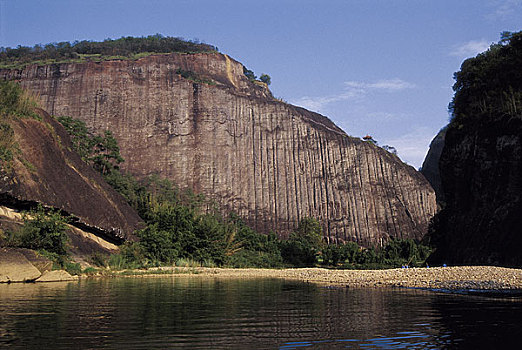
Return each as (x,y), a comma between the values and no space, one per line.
(196,312)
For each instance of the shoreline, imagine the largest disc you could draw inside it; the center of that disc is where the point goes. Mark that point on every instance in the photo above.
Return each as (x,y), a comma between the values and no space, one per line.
(481,278)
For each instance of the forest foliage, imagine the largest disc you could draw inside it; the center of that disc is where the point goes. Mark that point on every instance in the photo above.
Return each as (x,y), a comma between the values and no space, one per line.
(79,51)
(490,84)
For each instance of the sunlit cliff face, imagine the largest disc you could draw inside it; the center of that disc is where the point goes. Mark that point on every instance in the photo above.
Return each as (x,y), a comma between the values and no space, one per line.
(228,138)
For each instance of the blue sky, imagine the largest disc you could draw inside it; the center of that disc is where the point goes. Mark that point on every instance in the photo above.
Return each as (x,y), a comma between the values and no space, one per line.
(383,68)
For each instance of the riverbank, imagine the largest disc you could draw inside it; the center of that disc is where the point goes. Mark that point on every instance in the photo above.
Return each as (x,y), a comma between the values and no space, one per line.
(452,278)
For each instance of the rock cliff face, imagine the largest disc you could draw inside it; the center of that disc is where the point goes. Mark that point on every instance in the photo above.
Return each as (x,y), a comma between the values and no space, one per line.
(481,174)
(46,171)
(430,166)
(271,162)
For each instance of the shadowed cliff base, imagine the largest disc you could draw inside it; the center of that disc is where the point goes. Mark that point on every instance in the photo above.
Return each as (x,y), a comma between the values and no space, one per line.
(481,162)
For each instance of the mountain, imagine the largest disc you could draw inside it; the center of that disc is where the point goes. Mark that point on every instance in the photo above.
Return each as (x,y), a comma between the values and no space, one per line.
(198,120)
(481,162)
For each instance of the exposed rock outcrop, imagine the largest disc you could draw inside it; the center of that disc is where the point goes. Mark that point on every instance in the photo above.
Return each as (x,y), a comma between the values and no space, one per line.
(45,170)
(15,267)
(430,166)
(25,265)
(481,168)
(271,162)
(56,276)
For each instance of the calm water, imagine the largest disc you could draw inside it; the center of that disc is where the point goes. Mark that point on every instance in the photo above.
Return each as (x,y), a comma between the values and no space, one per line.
(195,312)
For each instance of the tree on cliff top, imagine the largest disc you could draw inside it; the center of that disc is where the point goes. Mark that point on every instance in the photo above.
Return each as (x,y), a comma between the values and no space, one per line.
(490,83)
(265,78)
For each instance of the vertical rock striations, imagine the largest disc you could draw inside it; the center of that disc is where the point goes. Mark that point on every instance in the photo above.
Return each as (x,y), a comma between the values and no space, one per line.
(271,162)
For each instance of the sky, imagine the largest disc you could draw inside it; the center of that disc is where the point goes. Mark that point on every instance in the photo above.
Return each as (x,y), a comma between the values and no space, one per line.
(383,68)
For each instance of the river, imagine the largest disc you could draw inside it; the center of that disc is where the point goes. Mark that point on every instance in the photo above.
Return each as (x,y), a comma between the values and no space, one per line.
(208,313)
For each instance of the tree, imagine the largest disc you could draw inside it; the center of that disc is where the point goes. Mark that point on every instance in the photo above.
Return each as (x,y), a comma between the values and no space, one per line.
(390,149)
(249,74)
(304,245)
(265,78)
(44,230)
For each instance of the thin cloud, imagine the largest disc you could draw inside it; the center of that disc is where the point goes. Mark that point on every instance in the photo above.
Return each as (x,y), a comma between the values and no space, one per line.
(471,48)
(353,90)
(318,103)
(384,85)
(504,9)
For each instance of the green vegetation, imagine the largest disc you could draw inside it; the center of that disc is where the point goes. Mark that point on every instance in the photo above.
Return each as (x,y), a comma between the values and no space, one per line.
(489,85)
(265,78)
(14,103)
(400,252)
(7,144)
(102,152)
(303,246)
(190,75)
(82,51)
(249,74)
(44,230)
(388,148)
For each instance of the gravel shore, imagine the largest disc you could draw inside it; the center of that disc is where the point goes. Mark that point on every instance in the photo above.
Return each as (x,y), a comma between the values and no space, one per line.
(452,278)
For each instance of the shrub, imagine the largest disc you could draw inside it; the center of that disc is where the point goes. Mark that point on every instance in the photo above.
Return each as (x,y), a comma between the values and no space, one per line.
(72,268)
(304,245)
(15,101)
(265,78)
(44,230)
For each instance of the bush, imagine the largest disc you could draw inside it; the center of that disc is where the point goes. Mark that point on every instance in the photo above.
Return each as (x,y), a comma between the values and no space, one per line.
(72,268)
(265,78)
(15,101)
(44,230)
(304,245)
(339,255)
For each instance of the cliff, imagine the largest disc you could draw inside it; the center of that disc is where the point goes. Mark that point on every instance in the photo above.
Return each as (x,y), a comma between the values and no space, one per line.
(430,166)
(199,121)
(481,171)
(45,170)
(481,162)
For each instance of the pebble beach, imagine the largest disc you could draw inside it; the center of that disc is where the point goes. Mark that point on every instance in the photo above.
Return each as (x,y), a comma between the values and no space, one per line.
(450,278)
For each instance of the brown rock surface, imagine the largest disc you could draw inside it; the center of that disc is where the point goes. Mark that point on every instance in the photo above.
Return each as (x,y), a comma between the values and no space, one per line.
(41,263)
(271,162)
(46,171)
(56,276)
(14,267)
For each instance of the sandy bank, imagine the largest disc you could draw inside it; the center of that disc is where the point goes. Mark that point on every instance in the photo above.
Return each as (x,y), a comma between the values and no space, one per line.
(461,277)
